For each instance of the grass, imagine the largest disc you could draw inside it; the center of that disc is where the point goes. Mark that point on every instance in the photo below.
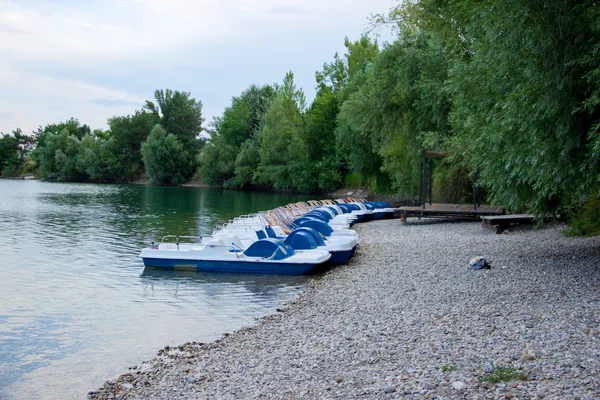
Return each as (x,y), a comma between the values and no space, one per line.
(505,374)
(447,368)
(586,221)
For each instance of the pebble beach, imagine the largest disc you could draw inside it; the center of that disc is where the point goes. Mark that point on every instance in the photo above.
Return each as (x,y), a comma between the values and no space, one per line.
(408,318)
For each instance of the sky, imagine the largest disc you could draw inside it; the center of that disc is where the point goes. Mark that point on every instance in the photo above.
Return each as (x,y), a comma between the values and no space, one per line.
(93,59)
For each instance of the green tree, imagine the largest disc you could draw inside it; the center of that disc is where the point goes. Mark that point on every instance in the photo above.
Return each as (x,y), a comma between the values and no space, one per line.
(165,157)
(524,100)
(71,126)
(239,123)
(98,158)
(284,162)
(127,134)
(58,157)
(181,116)
(246,163)
(321,143)
(354,142)
(9,154)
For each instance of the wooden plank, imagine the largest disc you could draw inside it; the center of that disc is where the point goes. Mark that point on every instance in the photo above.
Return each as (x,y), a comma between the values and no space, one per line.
(525,218)
(455,209)
(498,223)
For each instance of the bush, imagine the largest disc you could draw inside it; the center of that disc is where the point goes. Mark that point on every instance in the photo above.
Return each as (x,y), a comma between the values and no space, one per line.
(352,180)
(164,157)
(586,222)
(452,184)
(9,170)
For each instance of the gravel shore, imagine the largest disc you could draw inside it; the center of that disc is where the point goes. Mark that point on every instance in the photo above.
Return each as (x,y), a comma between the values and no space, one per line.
(408,318)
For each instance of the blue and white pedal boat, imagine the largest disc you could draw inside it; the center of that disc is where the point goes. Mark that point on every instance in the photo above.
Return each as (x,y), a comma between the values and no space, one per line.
(315,235)
(224,254)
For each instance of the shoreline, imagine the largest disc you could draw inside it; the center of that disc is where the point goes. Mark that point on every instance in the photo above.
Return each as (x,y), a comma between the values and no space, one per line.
(407,317)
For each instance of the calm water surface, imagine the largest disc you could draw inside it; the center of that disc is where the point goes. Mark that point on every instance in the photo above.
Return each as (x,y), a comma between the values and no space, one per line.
(77,306)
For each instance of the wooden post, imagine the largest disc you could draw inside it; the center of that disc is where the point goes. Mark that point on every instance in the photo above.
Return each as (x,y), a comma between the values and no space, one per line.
(430,179)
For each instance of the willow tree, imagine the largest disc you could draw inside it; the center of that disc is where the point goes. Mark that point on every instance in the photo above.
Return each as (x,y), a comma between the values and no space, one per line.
(524,87)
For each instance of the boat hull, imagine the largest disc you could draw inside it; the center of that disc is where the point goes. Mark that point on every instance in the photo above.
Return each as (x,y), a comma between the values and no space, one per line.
(241,267)
(341,257)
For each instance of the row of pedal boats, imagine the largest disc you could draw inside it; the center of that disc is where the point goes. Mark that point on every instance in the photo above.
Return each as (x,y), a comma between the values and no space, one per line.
(295,239)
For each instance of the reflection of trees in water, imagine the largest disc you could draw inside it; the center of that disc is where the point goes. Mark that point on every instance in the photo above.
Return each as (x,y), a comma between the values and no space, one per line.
(214,284)
(128,216)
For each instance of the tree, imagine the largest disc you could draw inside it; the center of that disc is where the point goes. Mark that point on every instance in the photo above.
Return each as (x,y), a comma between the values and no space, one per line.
(246,163)
(320,141)
(25,144)
(9,155)
(71,126)
(165,157)
(181,116)
(238,124)
(522,100)
(353,142)
(283,157)
(127,134)
(98,158)
(58,157)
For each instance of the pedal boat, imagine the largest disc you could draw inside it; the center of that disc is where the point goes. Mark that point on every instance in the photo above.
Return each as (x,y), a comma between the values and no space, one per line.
(224,254)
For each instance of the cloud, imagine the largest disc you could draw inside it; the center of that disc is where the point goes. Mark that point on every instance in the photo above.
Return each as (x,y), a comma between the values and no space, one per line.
(38,100)
(286,9)
(96,58)
(113,102)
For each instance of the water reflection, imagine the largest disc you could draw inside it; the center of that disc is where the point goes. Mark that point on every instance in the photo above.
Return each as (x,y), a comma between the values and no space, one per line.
(260,287)
(78,306)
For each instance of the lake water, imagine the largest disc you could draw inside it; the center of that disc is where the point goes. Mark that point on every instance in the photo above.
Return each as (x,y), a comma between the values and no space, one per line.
(77,306)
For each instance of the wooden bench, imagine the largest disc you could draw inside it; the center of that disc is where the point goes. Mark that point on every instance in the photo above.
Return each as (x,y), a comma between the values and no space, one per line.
(450,211)
(498,223)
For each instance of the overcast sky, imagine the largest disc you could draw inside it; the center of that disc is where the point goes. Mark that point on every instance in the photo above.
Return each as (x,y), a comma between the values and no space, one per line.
(92,59)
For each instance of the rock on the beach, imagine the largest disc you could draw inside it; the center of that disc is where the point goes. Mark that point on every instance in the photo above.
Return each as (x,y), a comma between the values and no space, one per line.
(458,385)
(389,389)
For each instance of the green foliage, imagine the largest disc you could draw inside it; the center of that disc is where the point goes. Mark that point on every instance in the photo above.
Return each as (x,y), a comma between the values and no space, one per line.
(295,147)
(58,157)
(517,84)
(8,154)
(66,157)
(586,221)
(452,183)
(72,126)
(181,116)
(217,161)
(56,149)
(245,164)
(283,155)
(447,368)
(400,100)
(98,158)
(229,132)
(352,180)
(352,130)
(165,157)
(13,151)
(504,374)
(320,142)
(178,114)
(124,140)
(509,89)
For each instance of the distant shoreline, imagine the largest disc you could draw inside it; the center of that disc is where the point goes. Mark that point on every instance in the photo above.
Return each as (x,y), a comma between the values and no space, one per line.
(28,177)
(339,193)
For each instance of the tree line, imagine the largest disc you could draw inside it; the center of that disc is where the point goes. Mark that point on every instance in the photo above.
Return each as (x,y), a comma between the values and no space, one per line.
(509,90)
(161,139)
